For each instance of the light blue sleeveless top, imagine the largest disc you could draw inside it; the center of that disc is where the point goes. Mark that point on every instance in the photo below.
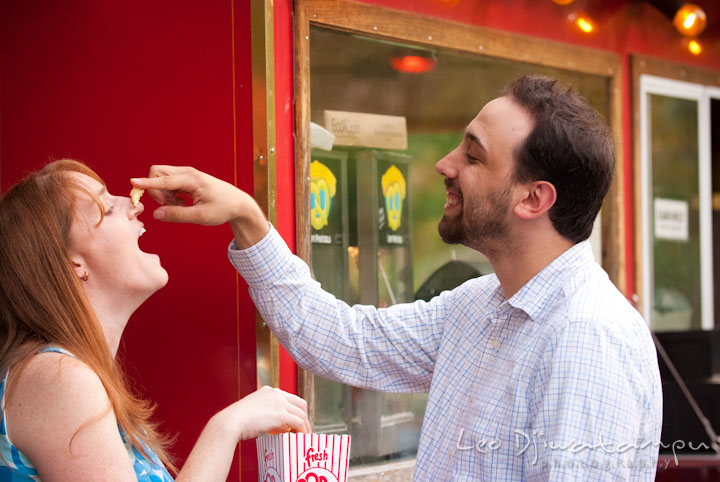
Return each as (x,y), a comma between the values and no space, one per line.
(15,467)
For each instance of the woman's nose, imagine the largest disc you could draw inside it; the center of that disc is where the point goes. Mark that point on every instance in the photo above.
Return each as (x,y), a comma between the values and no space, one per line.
(135,210)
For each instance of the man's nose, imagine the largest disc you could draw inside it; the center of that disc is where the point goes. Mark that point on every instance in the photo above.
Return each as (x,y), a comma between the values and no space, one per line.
(446,166)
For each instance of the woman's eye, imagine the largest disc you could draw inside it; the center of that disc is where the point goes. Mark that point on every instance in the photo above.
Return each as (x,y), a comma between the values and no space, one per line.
(109,210)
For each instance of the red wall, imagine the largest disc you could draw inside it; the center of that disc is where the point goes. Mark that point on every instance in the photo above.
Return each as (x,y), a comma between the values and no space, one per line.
(121,85)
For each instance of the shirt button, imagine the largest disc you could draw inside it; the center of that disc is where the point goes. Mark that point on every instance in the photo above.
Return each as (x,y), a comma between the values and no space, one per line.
(494,344)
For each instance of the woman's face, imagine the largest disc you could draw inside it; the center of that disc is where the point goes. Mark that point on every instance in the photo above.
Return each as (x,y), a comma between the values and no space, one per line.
(109,251)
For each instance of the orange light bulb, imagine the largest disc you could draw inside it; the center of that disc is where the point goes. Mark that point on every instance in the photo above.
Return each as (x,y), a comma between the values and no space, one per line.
(585,24)
(413,64)
(563,2)
(690,20)
(582,21)
(694,47)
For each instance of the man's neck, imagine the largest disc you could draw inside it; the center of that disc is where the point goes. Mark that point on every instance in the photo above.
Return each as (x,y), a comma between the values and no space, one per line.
(520,261)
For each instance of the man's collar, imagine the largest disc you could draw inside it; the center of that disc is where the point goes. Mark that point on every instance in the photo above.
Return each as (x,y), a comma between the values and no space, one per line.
(534,294)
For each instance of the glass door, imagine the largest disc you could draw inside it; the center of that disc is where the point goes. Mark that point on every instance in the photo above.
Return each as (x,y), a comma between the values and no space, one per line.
(677,197)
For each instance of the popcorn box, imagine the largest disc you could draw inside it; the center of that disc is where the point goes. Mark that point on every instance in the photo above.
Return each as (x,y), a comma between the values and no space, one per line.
(303,457)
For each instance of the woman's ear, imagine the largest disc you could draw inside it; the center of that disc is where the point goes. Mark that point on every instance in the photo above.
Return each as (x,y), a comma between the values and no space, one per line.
(79,266)
(538,198)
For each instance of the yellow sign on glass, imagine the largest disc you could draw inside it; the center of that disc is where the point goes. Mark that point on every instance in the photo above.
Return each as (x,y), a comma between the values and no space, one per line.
(323,186)
(394,190)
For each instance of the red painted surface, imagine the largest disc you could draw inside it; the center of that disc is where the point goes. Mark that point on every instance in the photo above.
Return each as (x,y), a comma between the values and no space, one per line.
(285,149)
(121,85)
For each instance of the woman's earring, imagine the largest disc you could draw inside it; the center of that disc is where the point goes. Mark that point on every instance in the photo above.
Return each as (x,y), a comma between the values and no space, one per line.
(84,277)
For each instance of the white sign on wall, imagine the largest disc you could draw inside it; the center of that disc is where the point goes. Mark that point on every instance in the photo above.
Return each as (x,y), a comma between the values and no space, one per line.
(671,219)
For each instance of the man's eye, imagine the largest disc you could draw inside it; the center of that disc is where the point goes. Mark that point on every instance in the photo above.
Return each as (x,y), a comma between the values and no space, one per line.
(472,158)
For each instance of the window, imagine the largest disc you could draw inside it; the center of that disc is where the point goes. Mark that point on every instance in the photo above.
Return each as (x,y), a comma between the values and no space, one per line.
(368,208)
(678,189)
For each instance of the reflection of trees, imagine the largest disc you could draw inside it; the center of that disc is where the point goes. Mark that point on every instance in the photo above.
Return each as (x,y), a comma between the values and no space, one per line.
(675,171)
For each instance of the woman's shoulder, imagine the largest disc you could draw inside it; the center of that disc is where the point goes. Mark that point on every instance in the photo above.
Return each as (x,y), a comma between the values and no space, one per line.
(54,393)
(55,373)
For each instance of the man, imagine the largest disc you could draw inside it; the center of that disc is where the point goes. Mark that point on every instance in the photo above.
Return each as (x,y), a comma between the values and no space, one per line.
(541,371)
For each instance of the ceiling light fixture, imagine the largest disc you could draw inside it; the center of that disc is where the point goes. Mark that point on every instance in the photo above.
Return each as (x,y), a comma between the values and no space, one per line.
(413,64)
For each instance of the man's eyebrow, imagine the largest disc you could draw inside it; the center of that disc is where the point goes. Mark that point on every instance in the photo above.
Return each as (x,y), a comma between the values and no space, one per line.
(474,139)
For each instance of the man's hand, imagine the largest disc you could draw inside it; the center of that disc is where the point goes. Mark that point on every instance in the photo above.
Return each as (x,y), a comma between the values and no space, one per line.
(215,202)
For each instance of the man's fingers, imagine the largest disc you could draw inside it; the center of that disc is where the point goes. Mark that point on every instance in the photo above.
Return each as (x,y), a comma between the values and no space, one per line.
(177,214)
(173,182)
(159,170)
(161,197)
(171,178)
(196,214)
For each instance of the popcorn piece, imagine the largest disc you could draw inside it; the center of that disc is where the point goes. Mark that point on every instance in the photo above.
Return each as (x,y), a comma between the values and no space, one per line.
(135,195)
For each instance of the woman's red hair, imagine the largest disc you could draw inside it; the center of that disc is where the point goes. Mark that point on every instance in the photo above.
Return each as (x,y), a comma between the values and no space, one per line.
(42,301)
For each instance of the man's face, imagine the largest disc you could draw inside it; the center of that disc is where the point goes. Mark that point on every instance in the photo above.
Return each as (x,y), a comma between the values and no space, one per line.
(478,177)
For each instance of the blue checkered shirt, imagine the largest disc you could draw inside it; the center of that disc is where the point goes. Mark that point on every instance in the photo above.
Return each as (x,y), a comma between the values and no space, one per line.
(559,382)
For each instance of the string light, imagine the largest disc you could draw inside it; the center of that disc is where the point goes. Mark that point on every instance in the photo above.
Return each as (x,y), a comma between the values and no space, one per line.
(582,21)
(690,20)
(584,24)
(695,47)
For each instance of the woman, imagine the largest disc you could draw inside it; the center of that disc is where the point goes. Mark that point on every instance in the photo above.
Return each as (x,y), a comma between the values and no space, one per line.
(71,274)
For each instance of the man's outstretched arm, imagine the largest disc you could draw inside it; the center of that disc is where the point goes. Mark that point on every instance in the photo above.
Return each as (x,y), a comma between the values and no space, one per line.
(215,202)
(386,349)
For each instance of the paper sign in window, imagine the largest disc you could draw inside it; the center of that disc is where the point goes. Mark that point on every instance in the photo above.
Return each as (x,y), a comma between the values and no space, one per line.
(671,219)
(367,130)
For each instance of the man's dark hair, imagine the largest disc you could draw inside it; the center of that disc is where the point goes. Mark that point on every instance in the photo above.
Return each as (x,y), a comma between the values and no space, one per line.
(571,147)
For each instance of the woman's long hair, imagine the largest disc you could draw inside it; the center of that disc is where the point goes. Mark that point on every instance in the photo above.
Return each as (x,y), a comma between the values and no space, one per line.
(42,301)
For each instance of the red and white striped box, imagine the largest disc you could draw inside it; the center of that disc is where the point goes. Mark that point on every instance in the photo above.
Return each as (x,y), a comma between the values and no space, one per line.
(303,457)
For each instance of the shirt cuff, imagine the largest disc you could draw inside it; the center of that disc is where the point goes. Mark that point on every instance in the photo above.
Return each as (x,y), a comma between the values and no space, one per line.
(262,262)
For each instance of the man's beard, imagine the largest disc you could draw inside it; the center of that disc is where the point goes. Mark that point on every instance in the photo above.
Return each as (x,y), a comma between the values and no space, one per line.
(480,223)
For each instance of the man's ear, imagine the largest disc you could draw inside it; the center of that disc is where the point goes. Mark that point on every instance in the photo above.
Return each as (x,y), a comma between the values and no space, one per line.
(538,198)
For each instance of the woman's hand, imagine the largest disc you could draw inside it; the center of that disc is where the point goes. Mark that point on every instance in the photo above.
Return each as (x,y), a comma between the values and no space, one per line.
(215,202)
(267,410)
